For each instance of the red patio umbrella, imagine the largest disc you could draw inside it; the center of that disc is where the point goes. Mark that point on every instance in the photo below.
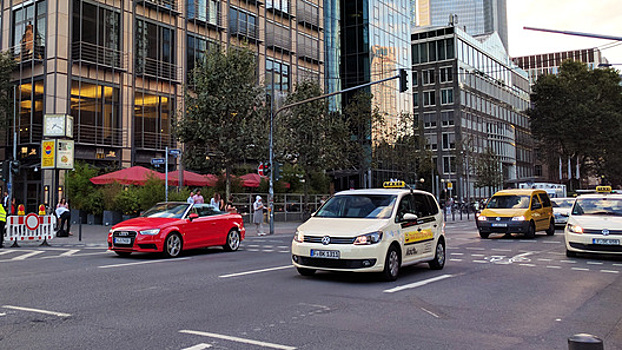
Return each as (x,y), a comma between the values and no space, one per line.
(191,179)
(252,180)
(136,175)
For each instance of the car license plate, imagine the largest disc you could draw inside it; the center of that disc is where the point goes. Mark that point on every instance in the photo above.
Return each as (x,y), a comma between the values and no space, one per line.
(122,240)
(499,225)
(606,241)
(328,254)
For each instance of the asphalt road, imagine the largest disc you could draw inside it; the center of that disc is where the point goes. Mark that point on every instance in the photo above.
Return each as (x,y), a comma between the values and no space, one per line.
(501,293)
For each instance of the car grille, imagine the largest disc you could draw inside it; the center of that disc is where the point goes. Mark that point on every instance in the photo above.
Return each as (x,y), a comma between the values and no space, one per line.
(333,240)
(123,234)
(597,247)
(600,232)
(335,263)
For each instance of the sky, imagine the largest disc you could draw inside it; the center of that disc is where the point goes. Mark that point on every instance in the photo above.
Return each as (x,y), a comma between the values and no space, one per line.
(590,16)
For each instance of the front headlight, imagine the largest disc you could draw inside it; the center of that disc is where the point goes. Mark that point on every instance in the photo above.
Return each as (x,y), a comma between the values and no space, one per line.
(299,237)
(482,218)
(152,232)
(575,228)
(370,238)
(518,218)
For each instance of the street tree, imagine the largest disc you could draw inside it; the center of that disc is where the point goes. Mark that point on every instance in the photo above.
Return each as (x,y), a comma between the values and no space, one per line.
(224,117)
(7,65)
(312,138)
(487,170)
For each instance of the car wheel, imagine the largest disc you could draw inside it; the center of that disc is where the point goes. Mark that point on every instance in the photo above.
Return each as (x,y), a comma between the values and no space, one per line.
(439,257)
(484,235)
(551,230)
(172,245)
(391,264)
(571,254)
(124,254)
(233,241)
(305,272)
(531,231)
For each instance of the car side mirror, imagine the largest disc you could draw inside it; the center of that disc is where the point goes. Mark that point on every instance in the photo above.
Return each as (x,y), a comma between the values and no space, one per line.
(409,217)
(193,216)
(536,206)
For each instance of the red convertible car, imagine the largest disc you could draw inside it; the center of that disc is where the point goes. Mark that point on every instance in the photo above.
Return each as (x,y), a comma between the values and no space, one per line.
(174,226)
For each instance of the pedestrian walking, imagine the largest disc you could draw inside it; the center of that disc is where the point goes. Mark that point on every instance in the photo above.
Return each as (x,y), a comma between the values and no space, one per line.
(198,198)
(258,208)
(64,215)
(5,201)
(190,198)
(2,224)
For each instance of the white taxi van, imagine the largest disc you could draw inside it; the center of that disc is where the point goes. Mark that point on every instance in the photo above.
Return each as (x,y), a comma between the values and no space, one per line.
(372,230)
(595,224)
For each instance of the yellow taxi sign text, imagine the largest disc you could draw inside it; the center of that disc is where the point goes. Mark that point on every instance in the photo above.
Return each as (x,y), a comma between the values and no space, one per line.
(603,189)
(394,184)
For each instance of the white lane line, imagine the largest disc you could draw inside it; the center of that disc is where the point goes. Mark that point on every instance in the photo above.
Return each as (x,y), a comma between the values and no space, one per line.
(550,242)
(456,253)
(568,261)
(418,284)
(199,347)
(70,252)
(268,250)
(529,265)
(27,255)
(2,314)
(141,263)
(53,313)
(525,241)
(252,250)
(431,313)
(609,271)
(237,274)
(283,251)
(617,264)
(594,263)
(553,267)
(480,261)
(545,260)
(239,340)
(501,250)
(456,260)
(579,269)
(478,255)
(5,252)
(475,248)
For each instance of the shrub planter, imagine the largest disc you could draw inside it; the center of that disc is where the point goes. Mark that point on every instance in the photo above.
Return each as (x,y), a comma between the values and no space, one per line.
(92,219)
(78,217)
(111,217)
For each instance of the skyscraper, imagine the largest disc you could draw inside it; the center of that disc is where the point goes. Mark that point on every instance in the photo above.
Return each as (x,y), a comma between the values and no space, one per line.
(474,16)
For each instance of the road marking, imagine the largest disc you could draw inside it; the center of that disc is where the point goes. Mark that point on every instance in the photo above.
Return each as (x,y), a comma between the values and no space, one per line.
(478,255)
(70,252)
(480,261)
(431,313)
(417,284)
(2,314)
(268,250)
(609,271)
(53,313)
(551,242)
(594,263)
(456,253)
(237,274)
(529,265)
(283,251)
(239,340)
(5,252)
(553,267)
(501,250)
(27,255)
(568,261)
(199,347)
(252,250)
(617,264)
(141,263)
(456,260)
(475,248)
(579,269)
(525,240)
(545,260)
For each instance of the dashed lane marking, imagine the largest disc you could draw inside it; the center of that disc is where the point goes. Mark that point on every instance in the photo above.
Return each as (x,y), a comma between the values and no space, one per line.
(199,347)
(594,263)
(46,312)
(609,271)
(579,269)
(553,267)
(418,284)
(141,263)
(237,274)
(70,252)
(239,340)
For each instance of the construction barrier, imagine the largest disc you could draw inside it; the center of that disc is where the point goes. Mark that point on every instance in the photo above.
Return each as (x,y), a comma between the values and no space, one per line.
(31,227)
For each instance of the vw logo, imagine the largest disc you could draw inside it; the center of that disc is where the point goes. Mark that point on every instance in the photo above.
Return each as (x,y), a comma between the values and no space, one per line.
(498,219)
(325,240)
(605,232)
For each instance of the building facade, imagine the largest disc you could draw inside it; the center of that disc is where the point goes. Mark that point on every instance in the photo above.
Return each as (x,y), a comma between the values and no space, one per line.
(474,16)
(120,69)
(469,97)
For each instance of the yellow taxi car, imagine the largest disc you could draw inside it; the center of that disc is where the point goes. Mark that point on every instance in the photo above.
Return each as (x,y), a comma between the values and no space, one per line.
(517,211)
(595,224)
(372,230)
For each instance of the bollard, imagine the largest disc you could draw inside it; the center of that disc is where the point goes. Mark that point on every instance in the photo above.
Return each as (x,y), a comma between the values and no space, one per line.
(80,232)
(585,341)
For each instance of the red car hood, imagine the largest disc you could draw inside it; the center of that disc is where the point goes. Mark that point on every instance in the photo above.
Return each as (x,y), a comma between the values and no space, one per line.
(144,223)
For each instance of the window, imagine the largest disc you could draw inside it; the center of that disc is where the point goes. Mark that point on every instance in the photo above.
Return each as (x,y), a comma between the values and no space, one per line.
(432,143)
(243,24)
(449,141)
(415,79)
(447,118)
(155,50)
(415,99)
(429,120)
(29,31)
(308,46)
(449,166)
(447,96)
(152,120)
(196,50)
(279,5)
(277,74)
(96,34)
(446,74)
(428,77)
(96,113)
(205,11)
(429,98)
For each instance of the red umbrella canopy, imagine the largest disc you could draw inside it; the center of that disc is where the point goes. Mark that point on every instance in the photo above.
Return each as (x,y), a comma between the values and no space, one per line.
(252,180)
(191,179)
(136,175)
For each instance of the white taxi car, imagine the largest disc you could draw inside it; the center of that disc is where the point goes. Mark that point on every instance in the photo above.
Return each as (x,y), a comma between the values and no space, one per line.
(595,224)
(373,230)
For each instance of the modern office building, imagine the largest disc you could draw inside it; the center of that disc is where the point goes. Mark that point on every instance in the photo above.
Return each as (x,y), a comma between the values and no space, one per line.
(469,96)
(474,16)
(120,68)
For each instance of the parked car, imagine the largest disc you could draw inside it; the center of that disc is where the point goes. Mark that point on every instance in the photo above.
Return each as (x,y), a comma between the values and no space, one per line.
(561,209)
(173,227)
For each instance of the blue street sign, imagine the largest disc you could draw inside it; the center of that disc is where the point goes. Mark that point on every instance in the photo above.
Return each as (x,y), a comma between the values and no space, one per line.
(157,161)
(9,186)
(174,152)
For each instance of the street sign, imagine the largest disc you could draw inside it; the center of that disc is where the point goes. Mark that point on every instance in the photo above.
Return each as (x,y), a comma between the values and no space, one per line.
(174,152)
(260,169)
(450,186)
(157,161)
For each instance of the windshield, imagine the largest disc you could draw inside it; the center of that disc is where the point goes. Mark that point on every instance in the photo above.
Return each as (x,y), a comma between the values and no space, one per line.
(508,202)
(562,202)
(366,206)
(166,210)
(598,206)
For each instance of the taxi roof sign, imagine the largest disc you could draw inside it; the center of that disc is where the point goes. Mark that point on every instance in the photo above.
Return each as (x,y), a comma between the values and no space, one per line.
(603,189)
(394,184)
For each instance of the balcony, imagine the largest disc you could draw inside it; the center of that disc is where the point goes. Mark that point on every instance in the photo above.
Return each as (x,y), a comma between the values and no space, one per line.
(308,15)
(309,53)
(246,31)
(210,21)
(27,53)
(279,42)
(158,69)
(279,8)
(170,5)
(90,54)
(153,140)
(99,135)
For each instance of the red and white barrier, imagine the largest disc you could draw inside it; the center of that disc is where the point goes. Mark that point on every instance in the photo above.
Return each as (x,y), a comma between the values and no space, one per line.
(31,227)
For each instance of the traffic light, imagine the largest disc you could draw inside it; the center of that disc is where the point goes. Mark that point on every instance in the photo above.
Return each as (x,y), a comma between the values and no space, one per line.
(266,169)
(277,171)
(403,80)
(5,171)
(15,167)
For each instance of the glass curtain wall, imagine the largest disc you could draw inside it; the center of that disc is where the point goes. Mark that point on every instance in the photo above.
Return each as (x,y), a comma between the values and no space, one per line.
(29,101)
(96,34)
(152,121)
(29,31)
(155,50)
(96,114)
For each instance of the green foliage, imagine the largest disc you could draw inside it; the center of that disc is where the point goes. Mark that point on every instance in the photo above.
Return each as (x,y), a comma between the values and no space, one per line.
(92,202)
(150,193)
(7,65)
(181,196)
(109,193)
(78,186)
(487,169)
(128,201)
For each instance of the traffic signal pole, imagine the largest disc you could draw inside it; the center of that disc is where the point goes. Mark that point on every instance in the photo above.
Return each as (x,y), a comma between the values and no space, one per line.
(402,76)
